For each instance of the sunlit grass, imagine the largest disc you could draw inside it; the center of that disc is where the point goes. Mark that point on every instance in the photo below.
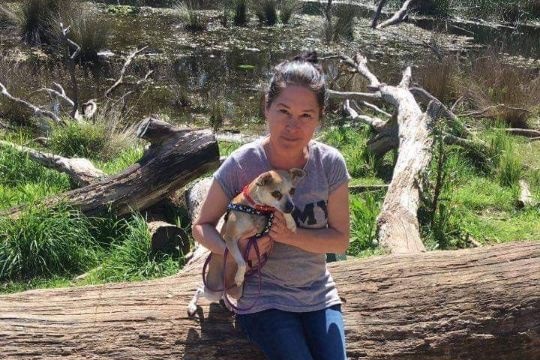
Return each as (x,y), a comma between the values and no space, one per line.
(131,257)
(45,242)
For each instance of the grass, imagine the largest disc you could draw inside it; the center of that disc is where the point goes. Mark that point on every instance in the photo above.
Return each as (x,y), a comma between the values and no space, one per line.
(131,257)
(44,242)
(482,81)
(193,19)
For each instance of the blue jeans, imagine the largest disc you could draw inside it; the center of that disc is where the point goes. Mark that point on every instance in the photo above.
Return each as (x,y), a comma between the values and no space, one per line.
(286,335)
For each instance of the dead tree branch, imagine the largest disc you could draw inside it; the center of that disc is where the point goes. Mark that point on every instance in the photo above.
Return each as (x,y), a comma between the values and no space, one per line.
(398,17)
(128,61)
(81,171)
(37,110)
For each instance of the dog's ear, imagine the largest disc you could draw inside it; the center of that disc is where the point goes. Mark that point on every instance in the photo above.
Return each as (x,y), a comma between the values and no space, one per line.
(296,175)
(265,179)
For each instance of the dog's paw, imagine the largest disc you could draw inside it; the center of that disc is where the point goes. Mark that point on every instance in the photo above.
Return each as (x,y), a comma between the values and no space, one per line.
(291,224)
(239,277)
(191,310)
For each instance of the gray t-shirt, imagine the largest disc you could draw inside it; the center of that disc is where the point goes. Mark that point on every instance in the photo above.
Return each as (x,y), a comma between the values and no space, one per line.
(292,279)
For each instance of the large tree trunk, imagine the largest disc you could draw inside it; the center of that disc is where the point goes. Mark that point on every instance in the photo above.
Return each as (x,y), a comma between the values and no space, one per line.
(467,304)
(175,157)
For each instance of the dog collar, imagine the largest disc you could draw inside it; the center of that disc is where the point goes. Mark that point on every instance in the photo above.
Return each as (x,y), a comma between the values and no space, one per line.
(250,210)
(264,208)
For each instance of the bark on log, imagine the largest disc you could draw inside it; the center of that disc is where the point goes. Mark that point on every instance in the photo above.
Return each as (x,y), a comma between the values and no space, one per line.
(397,224)
(168,238)
(175,157)
(525,197)
(469,304)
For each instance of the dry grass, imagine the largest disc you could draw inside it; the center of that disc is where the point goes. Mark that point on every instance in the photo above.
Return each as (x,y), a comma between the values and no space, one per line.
(511,93)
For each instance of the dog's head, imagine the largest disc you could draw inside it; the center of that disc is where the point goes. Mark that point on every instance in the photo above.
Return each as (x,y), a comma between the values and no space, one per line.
(276,187)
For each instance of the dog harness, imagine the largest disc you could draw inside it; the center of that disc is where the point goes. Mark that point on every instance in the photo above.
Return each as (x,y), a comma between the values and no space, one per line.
(255,209)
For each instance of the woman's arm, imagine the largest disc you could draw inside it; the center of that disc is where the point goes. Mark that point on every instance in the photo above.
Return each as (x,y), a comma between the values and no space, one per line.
(333,239)
(203,228)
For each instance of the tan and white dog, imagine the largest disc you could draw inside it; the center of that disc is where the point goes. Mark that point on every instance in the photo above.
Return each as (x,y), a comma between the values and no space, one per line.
(270,191)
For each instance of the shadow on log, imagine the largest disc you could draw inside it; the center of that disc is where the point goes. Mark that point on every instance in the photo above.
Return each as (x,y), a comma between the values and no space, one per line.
(465,304)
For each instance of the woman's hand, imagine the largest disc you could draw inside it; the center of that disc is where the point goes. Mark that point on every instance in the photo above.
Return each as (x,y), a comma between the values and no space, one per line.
(279,230)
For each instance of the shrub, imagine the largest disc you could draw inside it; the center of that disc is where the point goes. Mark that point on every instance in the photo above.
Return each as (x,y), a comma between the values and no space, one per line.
(131,257)
(266,11)
(240,12)
(40,20)
(364,210)
(286,10)
(91,33)
(192,19)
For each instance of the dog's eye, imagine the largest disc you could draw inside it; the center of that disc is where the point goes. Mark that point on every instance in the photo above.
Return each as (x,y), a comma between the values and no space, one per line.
(291,192)
(276,194)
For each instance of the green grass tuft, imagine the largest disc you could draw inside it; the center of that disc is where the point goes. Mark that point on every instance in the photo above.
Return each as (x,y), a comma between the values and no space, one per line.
(45,242)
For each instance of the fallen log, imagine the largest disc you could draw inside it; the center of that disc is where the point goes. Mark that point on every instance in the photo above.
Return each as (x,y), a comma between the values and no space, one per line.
(398,228)
(81,171)
(481,303)
(175,157)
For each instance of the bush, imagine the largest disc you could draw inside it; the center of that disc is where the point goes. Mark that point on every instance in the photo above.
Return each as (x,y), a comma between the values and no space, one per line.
(40,20)
(79,140)
(131,257)
(240,12)
(286,10)
(91,33)
(192,19)
(266,11)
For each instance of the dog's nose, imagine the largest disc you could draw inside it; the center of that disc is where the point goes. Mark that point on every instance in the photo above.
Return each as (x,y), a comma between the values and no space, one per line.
(289,206)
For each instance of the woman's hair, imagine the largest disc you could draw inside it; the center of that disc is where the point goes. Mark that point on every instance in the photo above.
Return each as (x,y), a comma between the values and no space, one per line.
(302,70)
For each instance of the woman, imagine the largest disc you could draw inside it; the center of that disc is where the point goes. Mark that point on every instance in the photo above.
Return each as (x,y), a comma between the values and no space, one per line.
(296,313)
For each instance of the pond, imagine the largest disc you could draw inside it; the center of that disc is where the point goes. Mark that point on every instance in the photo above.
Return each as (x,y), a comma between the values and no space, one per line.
(224,68)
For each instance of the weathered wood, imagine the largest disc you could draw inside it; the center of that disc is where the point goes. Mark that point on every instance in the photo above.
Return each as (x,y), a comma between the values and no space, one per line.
(168,238)
(469,304)
(397,223)
(80,170)
(525,196)
(398,17)
(175,157)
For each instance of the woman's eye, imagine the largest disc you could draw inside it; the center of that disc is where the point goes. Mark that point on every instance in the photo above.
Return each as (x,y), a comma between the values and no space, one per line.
(276,194)
(291,192)
(283,111)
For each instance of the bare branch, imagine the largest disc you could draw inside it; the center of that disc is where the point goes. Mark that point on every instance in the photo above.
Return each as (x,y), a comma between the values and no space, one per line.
(128,61)
(406,80)
(375,108)
(376,123)
(425,96)
(360,62)
(72,57)
(80,170)
(354,95)
(493,111)
(37,110)
(62,95)
(398,17)
(524,132)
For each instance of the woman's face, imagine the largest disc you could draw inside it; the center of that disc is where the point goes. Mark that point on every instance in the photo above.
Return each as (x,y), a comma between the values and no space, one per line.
(293,117)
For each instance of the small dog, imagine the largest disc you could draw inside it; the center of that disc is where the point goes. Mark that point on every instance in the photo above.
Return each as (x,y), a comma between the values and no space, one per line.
(270,191)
